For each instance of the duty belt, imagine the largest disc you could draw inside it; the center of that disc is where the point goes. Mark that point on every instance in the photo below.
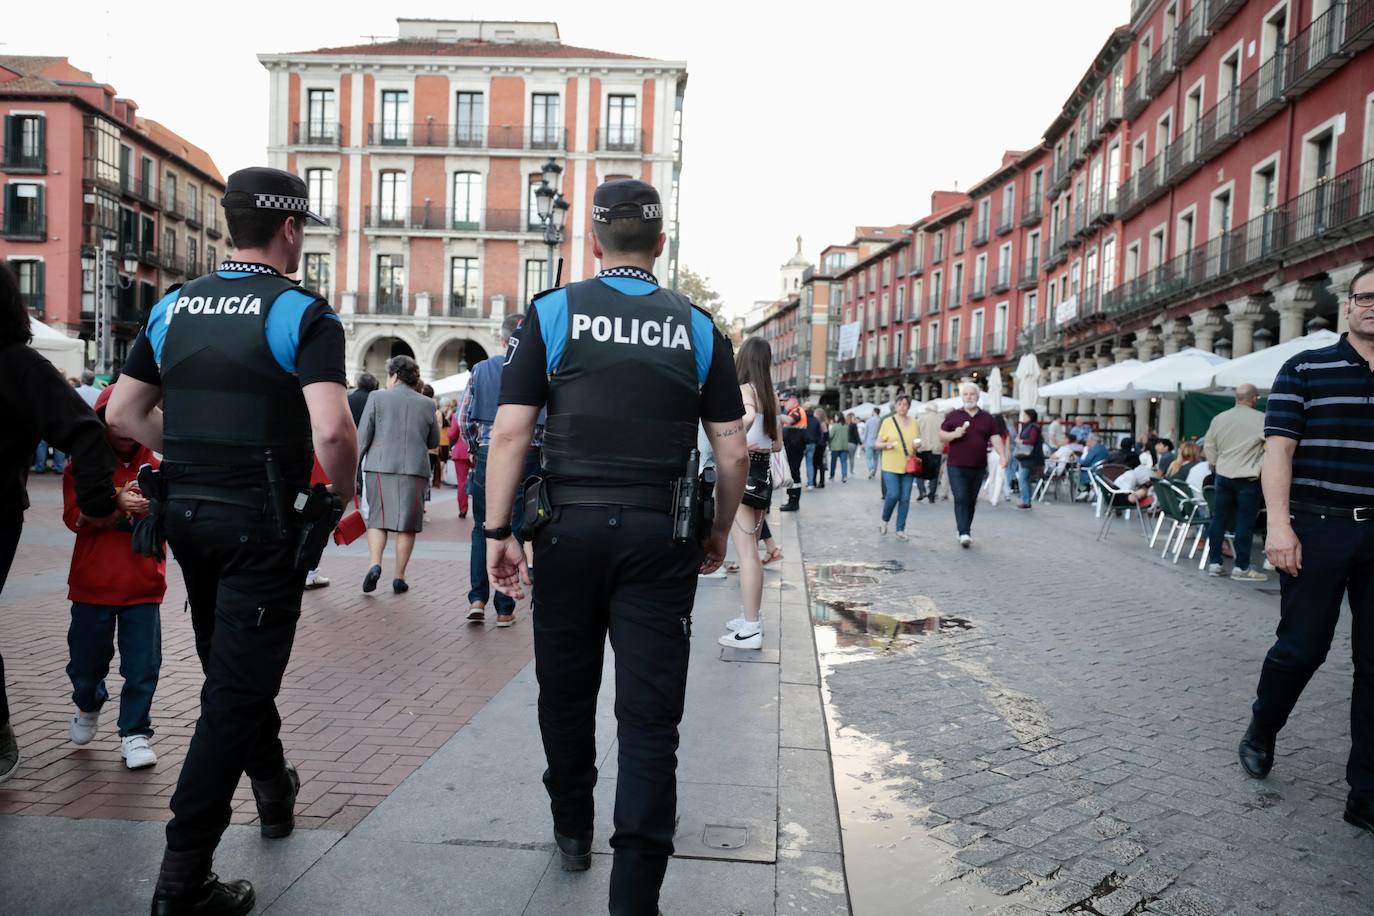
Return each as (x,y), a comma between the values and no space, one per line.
(248,497)
(638,497)
(1358,513)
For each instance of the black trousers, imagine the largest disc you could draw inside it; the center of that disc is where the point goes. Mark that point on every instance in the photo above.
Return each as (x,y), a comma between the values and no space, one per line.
(610,569)
(245,602)
(9,543)
(964,484)
(795,448)
(1337,562)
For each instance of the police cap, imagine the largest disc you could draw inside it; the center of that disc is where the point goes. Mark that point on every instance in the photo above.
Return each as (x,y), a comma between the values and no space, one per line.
(262,188)
(626,198)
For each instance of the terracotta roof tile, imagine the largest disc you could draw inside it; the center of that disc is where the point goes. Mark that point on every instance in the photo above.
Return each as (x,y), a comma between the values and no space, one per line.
(418,47)
(180,146)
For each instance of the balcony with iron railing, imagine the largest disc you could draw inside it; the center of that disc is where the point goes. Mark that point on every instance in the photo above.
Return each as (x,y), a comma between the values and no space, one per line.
(1219,12)
(618,140)
(1191,35)
(384,302)
(951,354)
(190,205)
(171,205)
(1006,219)
(19,160)
(460,305)
(1113,110)
(1029,277)
(173,264)
(34,302)
(315,133)
(1144,187)
(979,290)
(1080,221)
(1054,253)
(1161,68)
(973,346)
(981,233)
(1078,145)
(1060,175)
(1317,50)
(1135,98)
(934,301)
(917,267)
(1032,208)
(432,135)
(22,226)
(1001,282)
(1260,95)
(958,247)
(1184,155)
(448,220)
(212,229)
(956,295)
(997,344)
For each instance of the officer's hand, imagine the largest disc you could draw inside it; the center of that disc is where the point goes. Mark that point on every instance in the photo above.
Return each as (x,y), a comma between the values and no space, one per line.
(131,502)
(1283,549)
(714,548)
(506,567)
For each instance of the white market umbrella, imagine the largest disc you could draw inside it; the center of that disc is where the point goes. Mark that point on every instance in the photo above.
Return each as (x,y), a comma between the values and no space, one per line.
(451,385)
(994,390)
(1165,376)
(68,354)
(1027,377)
(1260,368)
(1079,384)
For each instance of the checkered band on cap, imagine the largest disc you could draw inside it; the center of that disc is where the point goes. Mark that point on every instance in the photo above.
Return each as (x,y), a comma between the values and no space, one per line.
(281,202)
(606,214)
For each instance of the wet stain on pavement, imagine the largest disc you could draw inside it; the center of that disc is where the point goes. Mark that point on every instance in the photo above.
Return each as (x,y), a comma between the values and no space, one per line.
(842,599)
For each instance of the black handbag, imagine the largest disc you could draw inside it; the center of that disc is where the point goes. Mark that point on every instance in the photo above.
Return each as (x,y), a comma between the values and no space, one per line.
(758,486)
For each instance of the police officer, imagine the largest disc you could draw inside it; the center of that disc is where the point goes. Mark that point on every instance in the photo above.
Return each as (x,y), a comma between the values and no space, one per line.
(250,370)
(626,369)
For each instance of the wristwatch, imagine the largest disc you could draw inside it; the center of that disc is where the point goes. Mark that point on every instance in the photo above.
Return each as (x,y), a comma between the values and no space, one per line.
(497,534)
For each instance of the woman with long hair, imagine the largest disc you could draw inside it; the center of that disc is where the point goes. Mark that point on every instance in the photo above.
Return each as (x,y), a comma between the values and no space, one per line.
(1030,454)
(898,438)
(753,366)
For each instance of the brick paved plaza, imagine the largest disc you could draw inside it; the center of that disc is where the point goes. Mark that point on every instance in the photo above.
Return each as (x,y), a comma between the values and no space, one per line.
(376,683)
(1074,748)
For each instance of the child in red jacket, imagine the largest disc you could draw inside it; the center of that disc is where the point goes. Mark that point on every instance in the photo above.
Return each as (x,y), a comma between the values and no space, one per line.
(114,590)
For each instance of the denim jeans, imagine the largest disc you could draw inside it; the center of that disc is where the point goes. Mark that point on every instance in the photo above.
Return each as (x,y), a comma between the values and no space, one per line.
(91,643)
(1236,505)
(1023,479)
(40,459)
(875,461)
(842,456)
(897,495)
(964,484)
(809,459)
(1337,562)
(480,586)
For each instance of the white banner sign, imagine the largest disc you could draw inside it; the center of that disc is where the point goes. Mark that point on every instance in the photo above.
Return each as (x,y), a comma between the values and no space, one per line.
(1066,311)
(849,340)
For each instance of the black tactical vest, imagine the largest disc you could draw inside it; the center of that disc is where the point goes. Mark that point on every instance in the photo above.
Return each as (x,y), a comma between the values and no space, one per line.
(226,400)
(624,402)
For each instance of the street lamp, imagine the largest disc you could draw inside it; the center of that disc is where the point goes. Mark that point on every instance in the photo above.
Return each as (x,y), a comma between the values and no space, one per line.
(102,263)
(552,209)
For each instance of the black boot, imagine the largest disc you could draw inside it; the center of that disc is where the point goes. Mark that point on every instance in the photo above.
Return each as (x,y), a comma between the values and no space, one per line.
(276,800)
(187,887)
(576,850)
(1257,749)
(1360,812)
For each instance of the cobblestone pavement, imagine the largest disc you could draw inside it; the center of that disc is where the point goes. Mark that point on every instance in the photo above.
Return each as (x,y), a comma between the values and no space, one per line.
(1070,738)
(376,683)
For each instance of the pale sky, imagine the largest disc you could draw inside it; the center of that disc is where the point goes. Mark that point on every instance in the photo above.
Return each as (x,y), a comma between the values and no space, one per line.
(797,121)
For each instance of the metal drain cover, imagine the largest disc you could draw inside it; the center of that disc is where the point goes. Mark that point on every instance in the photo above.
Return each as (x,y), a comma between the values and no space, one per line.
(727,839)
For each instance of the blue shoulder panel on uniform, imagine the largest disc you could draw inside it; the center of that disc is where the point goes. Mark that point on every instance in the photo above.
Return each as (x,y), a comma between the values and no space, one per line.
(284,326)
(553,325)
(157,324)
(629,285)
(703,342)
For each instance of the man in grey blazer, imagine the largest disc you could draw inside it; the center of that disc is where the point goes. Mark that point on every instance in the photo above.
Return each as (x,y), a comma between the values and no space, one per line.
(395,434)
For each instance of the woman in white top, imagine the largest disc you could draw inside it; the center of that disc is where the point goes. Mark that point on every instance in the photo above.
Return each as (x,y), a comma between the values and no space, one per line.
(753,366)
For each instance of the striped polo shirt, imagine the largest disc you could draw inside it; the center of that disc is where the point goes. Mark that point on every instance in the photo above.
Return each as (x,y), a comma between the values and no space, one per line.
(1325,399)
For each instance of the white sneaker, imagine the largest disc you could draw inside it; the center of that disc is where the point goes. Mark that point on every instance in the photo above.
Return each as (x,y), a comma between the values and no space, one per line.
(740,623)
(809,488)
(749,639)
(901,536)
(1215,569)
(84,725)
(137,752)
(1248,575)
(882,528)
(718,574)
(965,540)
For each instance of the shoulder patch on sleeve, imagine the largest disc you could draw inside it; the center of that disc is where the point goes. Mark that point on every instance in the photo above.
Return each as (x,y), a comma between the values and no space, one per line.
(158,318)
(284,325)
(552,308)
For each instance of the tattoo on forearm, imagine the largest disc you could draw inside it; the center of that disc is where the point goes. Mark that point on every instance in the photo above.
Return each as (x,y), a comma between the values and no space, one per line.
(726,433)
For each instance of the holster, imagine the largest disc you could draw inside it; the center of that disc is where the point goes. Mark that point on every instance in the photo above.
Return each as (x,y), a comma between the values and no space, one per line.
(538,508)
(316,513)
(706,506)
(149,537)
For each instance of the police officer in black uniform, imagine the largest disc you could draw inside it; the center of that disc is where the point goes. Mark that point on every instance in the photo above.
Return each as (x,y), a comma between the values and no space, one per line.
(626,370)
(249,368)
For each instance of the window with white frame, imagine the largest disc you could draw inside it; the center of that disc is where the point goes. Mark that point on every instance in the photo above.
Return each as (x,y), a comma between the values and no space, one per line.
(393,198)
(536,275)
(622,123)
(546,121)
(316,273)
(467,200)
(321,125)
(465,283)
(1109,263)
(470,111)
(319,187)
(395,117)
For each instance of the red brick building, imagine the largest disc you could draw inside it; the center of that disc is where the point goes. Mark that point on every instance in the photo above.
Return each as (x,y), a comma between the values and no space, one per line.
(1209,182)
(79,167)
(425,152)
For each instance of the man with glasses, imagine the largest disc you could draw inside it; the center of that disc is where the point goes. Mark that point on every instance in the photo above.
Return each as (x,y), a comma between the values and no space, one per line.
(1318,482)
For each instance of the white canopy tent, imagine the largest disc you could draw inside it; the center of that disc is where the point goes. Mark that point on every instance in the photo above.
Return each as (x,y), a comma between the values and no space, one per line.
(1258,368)
(1156,378)
(1077,386)
(451,386)
(68,354)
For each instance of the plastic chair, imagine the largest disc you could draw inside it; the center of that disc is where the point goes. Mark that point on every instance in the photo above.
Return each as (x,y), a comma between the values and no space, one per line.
(1055,472)
(1178,504)
(1209,496)
(1112,499)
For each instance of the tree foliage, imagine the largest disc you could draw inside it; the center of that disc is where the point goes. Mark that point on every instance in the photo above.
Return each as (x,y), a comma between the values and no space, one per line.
(697,287)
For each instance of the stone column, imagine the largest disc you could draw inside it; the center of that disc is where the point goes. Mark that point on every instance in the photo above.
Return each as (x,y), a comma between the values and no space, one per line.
(1206,326)
(1245,315)
(1294,301)
(1102,405)
(348,303)
(1054,405)
(1173,337)
(1145,343)
(1121,405)
(1338,281)
(1084,405)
